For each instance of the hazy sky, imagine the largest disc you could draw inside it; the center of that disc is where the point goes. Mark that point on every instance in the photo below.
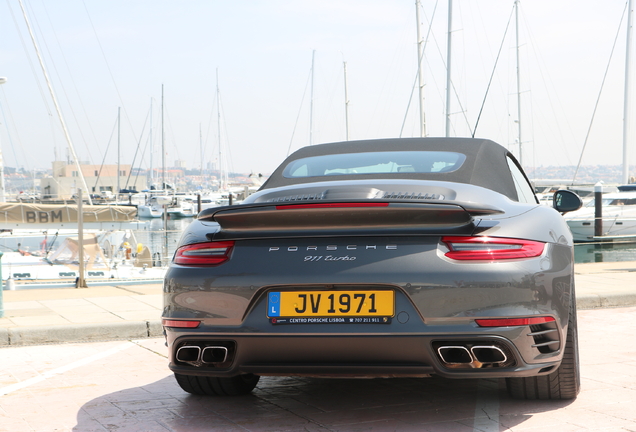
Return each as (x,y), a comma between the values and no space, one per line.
(102,55)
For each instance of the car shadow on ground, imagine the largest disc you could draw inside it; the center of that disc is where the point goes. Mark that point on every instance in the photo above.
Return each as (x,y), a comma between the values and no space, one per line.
(314,404)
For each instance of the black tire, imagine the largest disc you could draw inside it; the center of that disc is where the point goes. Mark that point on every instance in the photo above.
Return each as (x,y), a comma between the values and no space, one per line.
(213,386)
(563,383)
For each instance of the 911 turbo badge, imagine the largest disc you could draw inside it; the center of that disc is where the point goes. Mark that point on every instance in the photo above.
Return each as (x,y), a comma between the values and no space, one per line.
(332,248)
(344,281)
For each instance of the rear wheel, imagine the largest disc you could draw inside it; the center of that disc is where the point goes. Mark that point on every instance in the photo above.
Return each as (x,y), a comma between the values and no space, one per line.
(213,386)
(563,383)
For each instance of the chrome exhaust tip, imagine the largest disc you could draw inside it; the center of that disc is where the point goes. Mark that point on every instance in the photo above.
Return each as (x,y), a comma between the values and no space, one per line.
(214,354)
(455,354)
(488,354)
(188,354)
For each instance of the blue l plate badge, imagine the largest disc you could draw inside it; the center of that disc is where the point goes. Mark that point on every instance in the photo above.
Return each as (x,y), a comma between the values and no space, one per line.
(273,304)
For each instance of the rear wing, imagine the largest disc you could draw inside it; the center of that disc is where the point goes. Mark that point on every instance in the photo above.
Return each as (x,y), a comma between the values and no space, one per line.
(344,218)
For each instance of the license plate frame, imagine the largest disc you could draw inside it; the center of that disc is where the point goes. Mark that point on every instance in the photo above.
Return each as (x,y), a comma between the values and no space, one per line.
(319,306)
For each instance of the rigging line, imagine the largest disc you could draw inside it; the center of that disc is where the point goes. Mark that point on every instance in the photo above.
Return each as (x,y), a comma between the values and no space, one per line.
(461,107)
(454,89)
(15,156)
(298,116)
(37,81)
(35,75)
(90,126)
(599,95)
(104,157)
(483,102)
(210,121)
(419,68)
(57,107)
(142,157)
(170,134)
(136,153)
(441,96)
(110,72)
(228,159)
(549,93)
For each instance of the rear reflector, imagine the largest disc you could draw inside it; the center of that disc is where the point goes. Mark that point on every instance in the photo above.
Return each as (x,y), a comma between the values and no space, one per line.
(330,205)
(491,248)
(180,323)
(513,322)
(204,254)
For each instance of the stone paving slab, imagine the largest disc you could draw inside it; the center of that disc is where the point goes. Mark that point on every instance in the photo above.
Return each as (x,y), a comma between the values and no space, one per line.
(127,386)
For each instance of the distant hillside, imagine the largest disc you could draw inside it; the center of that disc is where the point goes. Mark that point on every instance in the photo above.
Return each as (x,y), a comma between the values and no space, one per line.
(587,174)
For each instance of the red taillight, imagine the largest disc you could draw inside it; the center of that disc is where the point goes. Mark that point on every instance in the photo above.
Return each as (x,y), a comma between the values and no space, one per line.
(180,323)
(330,205)
(513,322)
(204,254)
(491,248)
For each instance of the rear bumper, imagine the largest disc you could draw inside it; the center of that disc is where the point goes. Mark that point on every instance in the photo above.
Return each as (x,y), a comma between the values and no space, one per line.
(350,355)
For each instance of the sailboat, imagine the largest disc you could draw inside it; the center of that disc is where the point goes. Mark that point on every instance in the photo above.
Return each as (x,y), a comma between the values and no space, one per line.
(618,209)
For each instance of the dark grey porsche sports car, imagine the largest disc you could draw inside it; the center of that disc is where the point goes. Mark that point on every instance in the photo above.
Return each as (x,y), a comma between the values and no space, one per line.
(380,258)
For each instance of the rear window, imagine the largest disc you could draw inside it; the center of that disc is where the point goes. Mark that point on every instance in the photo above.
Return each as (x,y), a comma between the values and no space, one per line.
(422,162)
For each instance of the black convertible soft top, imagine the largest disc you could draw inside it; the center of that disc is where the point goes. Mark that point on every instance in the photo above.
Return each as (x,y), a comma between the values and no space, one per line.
(485,165)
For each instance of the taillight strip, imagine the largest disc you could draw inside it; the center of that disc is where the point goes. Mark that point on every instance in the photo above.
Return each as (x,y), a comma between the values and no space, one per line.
(180,323)
(513,322)
(204,254)
(491,248)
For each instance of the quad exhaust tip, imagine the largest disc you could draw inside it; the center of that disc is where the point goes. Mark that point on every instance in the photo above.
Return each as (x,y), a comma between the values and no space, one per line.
(472,355)
(488,354)
(214,354)
(455,354)
(202,355)
(189,354)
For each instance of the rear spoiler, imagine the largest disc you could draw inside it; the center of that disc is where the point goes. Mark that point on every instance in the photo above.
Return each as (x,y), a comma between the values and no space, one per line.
(344,218)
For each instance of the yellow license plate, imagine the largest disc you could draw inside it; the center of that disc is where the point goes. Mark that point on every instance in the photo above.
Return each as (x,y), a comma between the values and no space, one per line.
(367,303)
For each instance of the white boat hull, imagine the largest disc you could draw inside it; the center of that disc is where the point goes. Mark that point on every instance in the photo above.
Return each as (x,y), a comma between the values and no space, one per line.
(144,211)
(619,221)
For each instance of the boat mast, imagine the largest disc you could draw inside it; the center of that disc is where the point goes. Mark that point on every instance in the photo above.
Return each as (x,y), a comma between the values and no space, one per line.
(57,107)
(2,187)
(118,148)
(222,183)
(448,66)
(626,95)
(518,84)
(152,174)
(163,147)
(346,96)
(420,55)
(311,103)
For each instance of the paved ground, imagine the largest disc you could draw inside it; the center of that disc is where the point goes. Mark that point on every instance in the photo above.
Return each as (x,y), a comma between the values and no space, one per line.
(126,386)
(38,316)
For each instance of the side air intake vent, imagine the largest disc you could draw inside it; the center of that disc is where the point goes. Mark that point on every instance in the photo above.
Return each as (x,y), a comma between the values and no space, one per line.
(546,337)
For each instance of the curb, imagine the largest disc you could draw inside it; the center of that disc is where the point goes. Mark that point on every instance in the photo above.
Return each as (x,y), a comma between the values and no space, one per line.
(614,300)
(20,336)
(40,335)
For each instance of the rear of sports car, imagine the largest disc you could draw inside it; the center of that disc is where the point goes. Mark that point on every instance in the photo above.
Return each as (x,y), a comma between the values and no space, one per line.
(356,283)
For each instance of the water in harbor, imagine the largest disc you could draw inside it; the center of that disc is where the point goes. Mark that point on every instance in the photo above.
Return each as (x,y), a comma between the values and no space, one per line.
(163,242)
(604,252)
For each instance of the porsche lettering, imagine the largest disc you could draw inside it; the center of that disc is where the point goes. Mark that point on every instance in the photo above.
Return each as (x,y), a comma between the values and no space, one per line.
(331,248)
